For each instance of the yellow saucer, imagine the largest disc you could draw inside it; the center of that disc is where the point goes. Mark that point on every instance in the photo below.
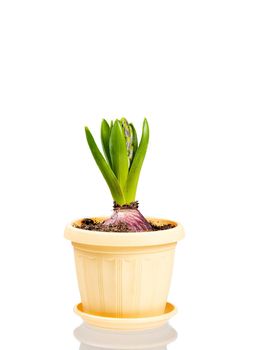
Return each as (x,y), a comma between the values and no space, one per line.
(137,323)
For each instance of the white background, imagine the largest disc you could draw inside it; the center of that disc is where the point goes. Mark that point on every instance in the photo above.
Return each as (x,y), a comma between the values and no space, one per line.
(190,67)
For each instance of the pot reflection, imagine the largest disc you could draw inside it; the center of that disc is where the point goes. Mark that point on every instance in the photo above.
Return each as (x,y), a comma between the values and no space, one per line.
(92,338)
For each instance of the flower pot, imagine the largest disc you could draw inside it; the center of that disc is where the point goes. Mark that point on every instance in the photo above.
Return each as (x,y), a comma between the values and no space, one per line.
(124,274)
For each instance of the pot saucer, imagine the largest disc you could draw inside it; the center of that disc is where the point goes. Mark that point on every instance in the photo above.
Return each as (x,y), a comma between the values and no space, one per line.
(122,323)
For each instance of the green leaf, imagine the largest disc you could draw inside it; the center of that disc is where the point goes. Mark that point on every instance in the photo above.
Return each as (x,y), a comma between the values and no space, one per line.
(105,135)
(118,153)
(135,141)
(134,173)
(105,169)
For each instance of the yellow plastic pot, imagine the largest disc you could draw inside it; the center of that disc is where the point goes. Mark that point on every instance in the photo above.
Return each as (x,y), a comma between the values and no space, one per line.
(124,274)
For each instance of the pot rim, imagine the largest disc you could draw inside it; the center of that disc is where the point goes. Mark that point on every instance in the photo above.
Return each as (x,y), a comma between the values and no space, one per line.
(125,239)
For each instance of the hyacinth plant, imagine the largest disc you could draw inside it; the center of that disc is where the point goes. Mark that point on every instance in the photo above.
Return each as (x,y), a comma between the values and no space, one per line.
(121,166)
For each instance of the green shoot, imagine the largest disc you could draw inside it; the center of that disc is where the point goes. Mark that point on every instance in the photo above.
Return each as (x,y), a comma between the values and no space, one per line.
(123,160)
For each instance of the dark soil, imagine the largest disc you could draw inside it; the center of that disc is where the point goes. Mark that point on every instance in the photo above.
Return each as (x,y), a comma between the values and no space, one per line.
(91,225)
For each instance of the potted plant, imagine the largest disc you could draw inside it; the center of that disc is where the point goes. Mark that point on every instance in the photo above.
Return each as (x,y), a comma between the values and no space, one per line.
(124,263)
